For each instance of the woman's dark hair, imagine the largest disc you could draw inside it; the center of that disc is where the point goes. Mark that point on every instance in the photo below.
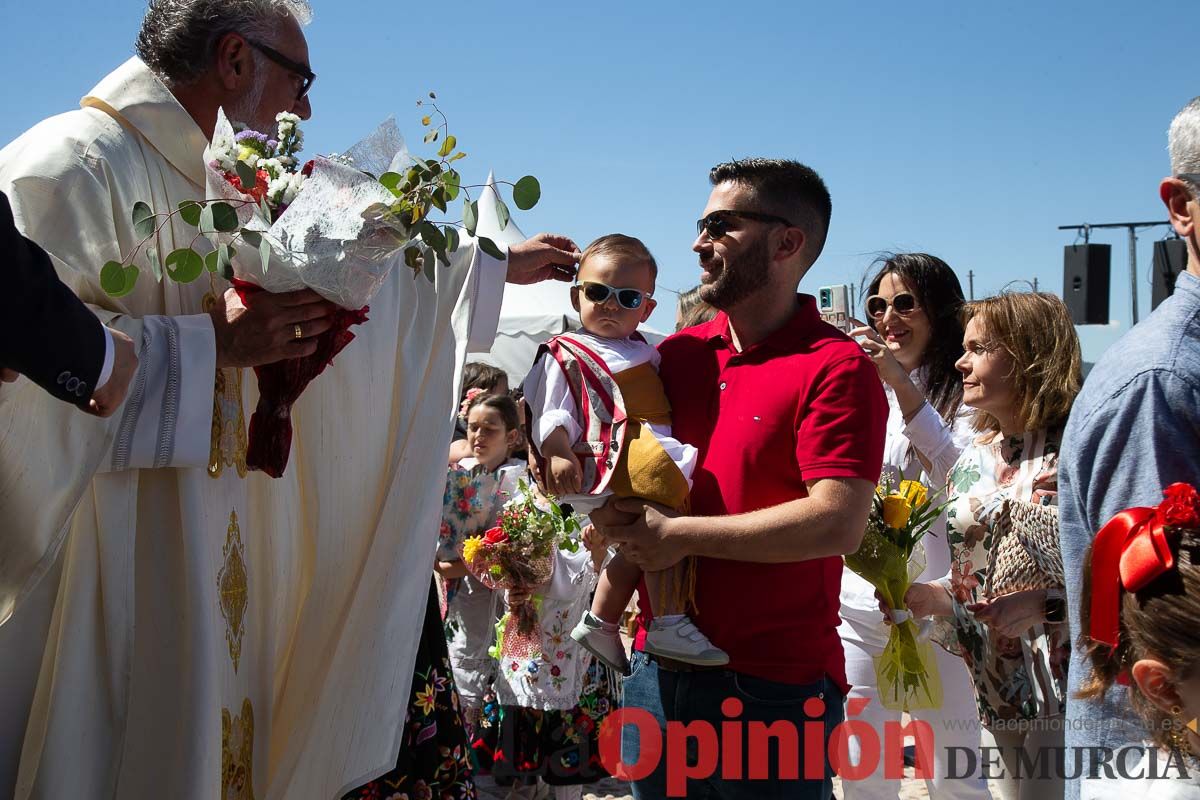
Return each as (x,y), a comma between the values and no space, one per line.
(940,296)
(501,403)
(477,375)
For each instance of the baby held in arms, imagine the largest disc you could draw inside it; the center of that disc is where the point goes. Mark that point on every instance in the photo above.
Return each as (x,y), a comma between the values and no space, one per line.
(600,425)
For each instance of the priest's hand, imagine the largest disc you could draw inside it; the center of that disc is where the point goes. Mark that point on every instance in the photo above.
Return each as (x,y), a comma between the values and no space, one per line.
(543,257)
(651,540)
(276,327)
(109,397)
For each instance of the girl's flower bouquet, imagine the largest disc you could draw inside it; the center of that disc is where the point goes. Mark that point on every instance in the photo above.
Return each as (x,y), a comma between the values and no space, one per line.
(336,225)
(518,555)
(890,558)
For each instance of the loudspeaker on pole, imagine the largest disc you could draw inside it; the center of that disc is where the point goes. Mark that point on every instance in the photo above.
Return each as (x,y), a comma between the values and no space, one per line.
(1170,259)
(1086,277)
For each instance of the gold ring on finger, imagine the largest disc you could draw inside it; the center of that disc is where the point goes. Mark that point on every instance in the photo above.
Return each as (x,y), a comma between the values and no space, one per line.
(299,334)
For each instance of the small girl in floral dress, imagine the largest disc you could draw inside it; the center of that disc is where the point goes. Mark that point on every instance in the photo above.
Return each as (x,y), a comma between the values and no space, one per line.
(551,705)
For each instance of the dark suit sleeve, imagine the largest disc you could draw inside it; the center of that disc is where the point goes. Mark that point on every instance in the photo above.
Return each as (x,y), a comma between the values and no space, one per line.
(46,333)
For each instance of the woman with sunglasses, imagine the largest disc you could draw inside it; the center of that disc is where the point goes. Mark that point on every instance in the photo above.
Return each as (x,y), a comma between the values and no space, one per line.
(914,337)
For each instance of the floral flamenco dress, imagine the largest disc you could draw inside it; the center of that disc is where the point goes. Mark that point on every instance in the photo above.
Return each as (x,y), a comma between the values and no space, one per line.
(545,719)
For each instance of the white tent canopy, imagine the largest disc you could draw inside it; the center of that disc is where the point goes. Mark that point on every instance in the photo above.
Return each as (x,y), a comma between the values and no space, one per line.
(529,315)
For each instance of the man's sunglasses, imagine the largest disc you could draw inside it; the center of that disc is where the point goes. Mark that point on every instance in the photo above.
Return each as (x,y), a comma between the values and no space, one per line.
(716,224)
(301,70)
(903,304)
(599,293)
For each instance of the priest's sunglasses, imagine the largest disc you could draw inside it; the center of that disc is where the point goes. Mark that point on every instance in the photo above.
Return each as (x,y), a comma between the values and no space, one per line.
(903,304)
(716,224)
(599,293)
(300,70)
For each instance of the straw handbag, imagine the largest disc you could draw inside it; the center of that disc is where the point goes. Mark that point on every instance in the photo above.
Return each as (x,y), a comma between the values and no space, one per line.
(1025,552)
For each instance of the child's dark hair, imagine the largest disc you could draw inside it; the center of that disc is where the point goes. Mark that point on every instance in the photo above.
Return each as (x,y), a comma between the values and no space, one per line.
(502,404)
(1157,621)
(477,375)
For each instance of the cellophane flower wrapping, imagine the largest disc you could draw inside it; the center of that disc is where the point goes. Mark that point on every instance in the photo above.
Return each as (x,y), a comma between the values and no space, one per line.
(518,555)
(906,671)
(319,240)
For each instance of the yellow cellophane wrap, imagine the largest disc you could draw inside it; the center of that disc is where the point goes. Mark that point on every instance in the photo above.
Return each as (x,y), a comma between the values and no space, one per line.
(906,672)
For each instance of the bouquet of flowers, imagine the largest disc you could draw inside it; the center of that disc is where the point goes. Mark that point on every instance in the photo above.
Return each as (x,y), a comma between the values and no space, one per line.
(518,554)
(890,558)
(336,225)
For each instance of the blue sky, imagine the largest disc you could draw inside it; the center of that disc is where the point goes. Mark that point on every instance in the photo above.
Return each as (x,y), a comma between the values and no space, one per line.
(968,130)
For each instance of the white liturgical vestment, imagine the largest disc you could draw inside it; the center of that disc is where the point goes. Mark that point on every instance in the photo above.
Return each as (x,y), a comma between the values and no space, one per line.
(172,625)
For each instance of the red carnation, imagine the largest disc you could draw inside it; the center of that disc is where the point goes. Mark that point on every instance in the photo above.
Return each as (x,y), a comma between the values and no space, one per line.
(1181,507)
(495,536)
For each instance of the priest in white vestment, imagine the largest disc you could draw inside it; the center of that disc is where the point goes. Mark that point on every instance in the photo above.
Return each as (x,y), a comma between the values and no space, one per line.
(170,623)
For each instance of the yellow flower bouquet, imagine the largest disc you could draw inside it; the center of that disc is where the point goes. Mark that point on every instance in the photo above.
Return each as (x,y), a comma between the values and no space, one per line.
(890,558)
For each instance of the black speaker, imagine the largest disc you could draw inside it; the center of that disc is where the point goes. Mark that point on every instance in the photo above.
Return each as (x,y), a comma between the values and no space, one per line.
(1085,282)
(1170,259)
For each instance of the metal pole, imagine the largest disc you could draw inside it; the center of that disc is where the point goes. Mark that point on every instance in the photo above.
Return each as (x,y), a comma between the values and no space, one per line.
(1133,277)
(1035,284)
(971,284)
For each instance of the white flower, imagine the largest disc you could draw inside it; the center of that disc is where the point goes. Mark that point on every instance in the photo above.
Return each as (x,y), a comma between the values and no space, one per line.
(273,166)
(283,190)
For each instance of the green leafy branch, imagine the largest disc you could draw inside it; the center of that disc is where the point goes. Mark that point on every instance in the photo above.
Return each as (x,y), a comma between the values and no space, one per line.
(184,264)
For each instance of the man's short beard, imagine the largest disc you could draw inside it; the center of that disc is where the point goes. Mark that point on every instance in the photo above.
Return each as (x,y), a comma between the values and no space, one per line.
(739,278)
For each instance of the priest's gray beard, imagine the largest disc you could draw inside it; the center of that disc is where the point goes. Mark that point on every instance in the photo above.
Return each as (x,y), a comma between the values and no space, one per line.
(246,109)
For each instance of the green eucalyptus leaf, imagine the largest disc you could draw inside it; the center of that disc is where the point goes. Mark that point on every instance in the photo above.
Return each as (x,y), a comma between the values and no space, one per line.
(428,267)
(457,156)
(470,216)
(527,192)
(489,247)
(264,254)
(264,212)
(210,261)
(206,220)
(448,145)
(155,264)
(438,198)
(247,175)
(143,219)
(225,261)
(412,257)
(250,237)
(189,212)
(225,218)
(431,235)
(432,136)
(390,181)
(452,183)
(112,278)
(502,212)
(425,120)
(184,265)
(452,238)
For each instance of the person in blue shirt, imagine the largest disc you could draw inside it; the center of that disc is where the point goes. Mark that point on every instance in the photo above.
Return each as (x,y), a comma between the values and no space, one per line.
(1134,429)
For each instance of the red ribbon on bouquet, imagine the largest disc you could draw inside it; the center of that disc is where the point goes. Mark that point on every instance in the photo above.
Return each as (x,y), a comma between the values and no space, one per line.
(280,384)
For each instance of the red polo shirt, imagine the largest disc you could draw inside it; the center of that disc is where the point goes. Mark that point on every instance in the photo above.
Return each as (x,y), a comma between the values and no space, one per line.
(803,404)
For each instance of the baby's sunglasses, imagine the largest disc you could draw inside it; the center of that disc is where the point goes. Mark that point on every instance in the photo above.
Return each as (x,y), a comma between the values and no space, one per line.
(903,304)
(599,293)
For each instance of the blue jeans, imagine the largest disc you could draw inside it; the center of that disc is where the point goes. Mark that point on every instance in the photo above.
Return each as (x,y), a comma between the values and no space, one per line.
(697,697)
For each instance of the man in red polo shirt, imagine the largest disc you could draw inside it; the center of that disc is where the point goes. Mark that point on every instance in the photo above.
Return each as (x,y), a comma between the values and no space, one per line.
(789,418)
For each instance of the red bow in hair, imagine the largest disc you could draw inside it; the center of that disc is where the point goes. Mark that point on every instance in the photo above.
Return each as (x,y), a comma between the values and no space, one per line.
(1131,551)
